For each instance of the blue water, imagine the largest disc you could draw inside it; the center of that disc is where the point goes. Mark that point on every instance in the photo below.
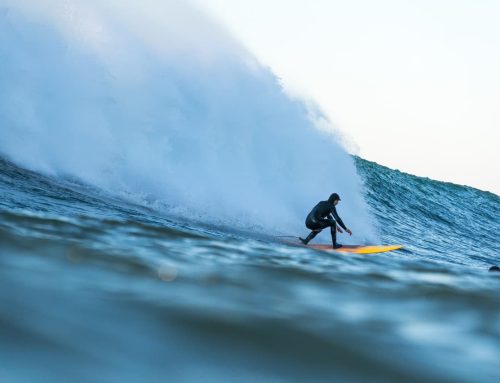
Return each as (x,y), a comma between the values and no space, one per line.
(144,192)
(98,289)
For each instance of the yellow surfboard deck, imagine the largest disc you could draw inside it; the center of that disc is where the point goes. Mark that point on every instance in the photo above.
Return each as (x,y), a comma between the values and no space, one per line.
(355,249)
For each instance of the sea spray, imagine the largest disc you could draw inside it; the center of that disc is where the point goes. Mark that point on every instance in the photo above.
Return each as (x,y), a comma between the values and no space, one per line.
(155,102)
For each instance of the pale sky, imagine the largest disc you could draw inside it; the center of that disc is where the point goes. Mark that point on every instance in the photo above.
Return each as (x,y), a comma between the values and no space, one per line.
(414,84)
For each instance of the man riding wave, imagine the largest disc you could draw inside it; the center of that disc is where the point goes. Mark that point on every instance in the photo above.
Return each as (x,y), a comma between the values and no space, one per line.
(324,215)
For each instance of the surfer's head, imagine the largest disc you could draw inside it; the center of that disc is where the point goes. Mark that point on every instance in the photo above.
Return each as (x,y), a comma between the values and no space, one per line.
(334,198)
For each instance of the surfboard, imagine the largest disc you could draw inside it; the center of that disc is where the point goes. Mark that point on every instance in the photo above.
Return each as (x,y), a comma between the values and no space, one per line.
(357,249)
(353,249)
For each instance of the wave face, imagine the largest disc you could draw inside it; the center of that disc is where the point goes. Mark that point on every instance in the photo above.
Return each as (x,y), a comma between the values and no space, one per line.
(155,103)
(439,220)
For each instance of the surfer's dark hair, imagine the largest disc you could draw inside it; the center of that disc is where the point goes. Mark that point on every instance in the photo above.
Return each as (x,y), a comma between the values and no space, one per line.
(334,197)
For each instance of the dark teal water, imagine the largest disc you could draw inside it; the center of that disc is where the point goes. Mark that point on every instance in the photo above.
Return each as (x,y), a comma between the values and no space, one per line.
(96,289)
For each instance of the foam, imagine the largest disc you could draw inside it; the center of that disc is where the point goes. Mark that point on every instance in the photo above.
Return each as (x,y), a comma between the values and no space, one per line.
(155,102)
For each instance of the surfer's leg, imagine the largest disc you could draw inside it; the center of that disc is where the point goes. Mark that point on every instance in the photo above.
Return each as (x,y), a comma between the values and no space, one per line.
(311,235)
(316,227)
(333,230)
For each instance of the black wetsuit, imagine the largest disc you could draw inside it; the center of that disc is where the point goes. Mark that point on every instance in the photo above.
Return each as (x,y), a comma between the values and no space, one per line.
(323,215)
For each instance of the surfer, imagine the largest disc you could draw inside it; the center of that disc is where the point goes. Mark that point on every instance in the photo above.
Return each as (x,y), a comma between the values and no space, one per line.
(324,215)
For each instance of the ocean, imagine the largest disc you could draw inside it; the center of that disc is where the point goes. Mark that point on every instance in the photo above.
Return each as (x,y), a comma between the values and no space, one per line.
(146,196)
(95,289)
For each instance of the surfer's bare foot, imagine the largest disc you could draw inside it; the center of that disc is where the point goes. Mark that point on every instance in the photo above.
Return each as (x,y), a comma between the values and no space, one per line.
(303,241)
(337,245)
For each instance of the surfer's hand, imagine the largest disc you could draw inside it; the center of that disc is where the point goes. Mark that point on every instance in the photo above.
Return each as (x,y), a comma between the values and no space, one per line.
(339,230)
(348,231)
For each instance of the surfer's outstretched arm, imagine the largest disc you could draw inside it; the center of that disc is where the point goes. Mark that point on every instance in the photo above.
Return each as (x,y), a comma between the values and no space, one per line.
(336,217)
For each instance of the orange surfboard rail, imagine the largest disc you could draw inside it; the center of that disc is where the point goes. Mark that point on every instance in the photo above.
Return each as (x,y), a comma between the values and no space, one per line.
(357,249)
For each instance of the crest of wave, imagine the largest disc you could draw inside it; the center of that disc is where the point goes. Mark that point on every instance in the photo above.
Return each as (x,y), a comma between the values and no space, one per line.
(153,101)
